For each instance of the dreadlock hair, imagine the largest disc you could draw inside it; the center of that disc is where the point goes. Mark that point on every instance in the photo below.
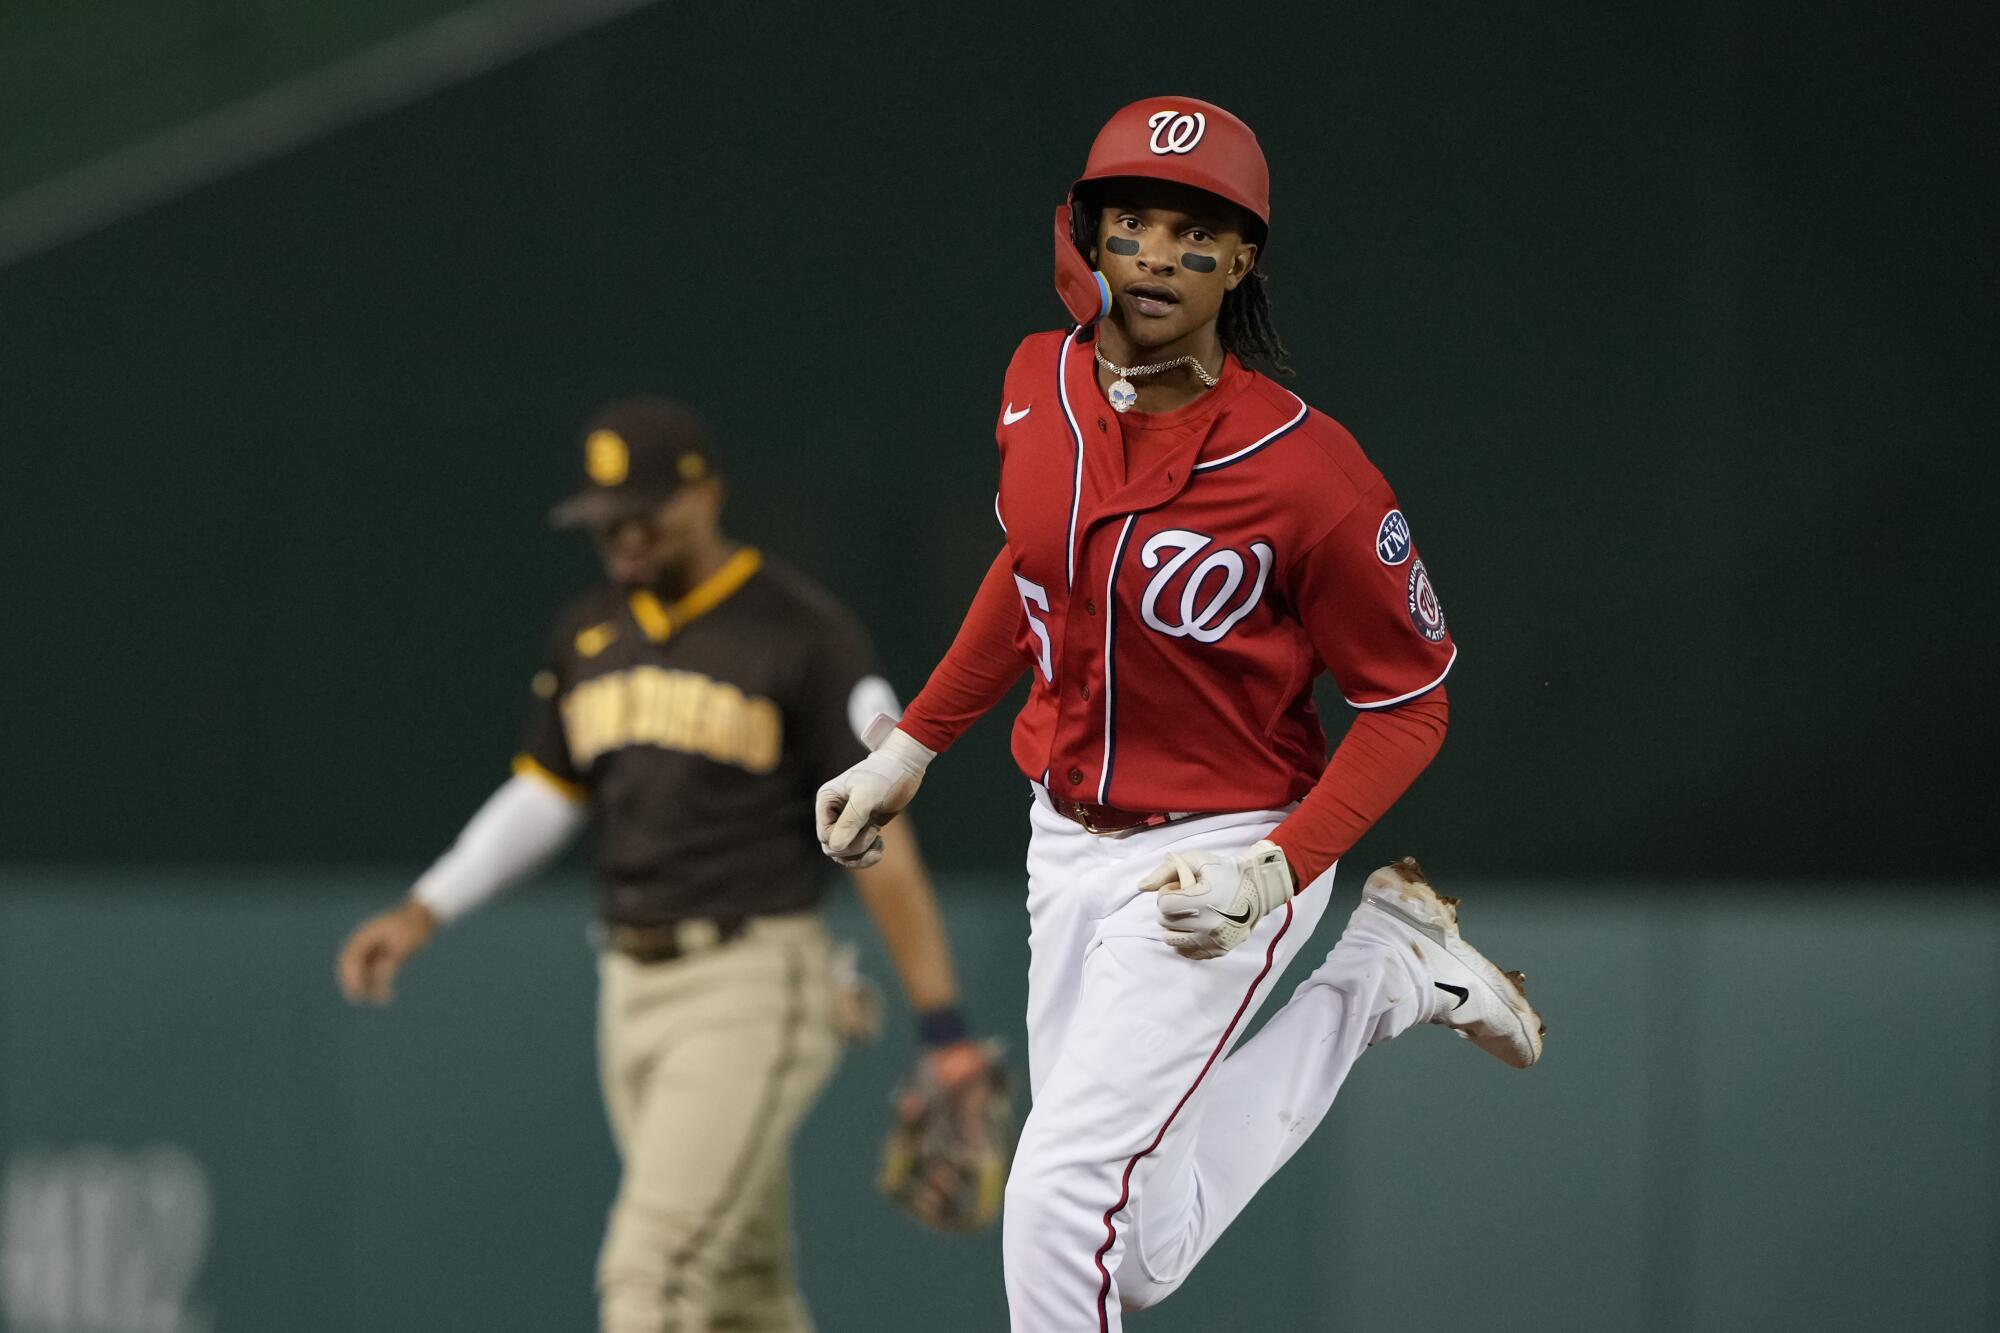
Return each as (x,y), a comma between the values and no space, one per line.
(1245,326)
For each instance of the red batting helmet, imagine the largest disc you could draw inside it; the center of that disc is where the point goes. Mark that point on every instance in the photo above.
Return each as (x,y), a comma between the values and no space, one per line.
(1161,138)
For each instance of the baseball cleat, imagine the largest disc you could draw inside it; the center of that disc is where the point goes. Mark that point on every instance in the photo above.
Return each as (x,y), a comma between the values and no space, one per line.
(1475,999)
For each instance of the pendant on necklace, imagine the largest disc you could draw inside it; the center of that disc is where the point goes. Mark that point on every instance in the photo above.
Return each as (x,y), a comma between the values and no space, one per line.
(1123,395)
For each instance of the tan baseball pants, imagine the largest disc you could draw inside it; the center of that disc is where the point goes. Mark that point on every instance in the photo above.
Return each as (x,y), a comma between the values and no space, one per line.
(709,1063)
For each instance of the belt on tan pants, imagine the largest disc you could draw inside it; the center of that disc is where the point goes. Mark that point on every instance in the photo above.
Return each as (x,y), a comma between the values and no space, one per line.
(668,940)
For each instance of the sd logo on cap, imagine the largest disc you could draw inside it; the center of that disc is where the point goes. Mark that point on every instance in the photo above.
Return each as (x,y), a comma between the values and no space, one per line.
(636,453)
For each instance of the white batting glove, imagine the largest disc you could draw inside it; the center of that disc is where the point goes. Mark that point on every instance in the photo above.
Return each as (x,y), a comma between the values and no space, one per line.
(1210,901)
(851,810)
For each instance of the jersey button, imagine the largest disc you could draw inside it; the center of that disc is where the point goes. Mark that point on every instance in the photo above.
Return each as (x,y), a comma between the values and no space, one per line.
(1076,777)
(1085,691)
(1090,608)
(1100,423)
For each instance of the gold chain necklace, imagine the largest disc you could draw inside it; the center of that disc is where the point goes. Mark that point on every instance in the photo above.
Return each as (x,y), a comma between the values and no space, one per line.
(1123,395)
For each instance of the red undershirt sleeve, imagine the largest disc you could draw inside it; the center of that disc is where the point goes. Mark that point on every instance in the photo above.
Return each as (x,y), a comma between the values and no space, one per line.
(979,668)
(1366,603)
(1375,764)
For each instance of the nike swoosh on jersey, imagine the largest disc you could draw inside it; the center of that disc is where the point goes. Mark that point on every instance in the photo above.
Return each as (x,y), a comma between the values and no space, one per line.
(1009,416)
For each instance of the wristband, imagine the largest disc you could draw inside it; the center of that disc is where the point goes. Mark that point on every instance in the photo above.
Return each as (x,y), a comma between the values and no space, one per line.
(942,1027)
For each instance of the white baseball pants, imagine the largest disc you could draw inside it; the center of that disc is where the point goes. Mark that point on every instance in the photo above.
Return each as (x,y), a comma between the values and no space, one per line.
(1144,1142)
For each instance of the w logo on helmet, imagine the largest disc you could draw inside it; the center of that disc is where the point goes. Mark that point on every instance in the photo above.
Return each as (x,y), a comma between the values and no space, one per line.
(1176,131)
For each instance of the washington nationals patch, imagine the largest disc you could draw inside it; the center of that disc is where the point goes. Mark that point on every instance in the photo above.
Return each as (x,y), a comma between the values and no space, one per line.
(1425,613)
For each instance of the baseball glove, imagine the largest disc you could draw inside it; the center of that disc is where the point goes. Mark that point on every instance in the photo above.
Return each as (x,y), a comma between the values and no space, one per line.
(946,1158)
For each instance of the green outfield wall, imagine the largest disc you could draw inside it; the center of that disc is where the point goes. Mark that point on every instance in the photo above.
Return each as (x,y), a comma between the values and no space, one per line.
(83,78)
(1761,1109)
(1671,325)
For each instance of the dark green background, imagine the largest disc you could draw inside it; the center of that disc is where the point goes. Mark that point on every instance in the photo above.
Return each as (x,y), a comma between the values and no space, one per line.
(80,78)
(1672,326)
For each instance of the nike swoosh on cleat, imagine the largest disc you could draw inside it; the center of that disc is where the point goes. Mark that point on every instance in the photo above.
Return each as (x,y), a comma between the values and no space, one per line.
(1461,992)
(1009,416)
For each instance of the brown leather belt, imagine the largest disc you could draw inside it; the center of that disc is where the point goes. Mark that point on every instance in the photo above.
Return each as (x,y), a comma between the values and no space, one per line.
(1109,818)
(668,940)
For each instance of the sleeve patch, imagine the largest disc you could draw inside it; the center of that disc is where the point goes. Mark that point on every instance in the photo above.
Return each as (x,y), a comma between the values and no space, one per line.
(1426,615)
(1392,538)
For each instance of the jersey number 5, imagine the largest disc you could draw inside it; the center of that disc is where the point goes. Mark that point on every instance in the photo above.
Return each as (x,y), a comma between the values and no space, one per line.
(1035,595)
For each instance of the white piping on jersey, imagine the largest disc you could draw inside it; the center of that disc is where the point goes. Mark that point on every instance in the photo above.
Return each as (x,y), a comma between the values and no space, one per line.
(1076,433)
(1110,683)
(1405,698)
(996,514)
(1250,449)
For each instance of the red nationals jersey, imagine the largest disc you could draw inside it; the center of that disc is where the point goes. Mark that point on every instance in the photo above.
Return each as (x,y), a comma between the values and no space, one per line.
(1176,618)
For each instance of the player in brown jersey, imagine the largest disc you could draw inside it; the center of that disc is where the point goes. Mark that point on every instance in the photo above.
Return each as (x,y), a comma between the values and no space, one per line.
(691,706)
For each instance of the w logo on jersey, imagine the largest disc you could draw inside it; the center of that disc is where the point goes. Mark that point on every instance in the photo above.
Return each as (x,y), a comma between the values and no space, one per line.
(1212,599)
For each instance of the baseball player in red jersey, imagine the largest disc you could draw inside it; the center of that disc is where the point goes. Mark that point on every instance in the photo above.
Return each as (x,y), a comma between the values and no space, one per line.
(1188,546)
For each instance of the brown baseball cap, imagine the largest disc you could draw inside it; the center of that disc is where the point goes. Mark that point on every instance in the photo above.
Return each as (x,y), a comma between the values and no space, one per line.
(636,453)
